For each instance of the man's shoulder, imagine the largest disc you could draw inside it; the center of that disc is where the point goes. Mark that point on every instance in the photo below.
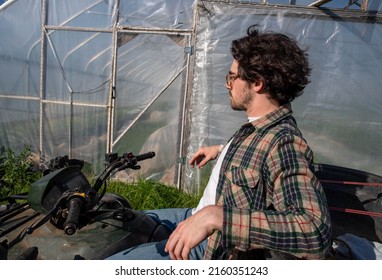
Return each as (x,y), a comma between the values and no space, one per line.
(277,117)
(285,131)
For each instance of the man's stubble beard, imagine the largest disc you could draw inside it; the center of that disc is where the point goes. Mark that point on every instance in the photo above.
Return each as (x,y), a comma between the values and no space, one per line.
(247,100)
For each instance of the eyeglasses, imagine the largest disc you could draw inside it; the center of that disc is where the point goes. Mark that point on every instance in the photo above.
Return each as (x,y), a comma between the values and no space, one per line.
(230,78)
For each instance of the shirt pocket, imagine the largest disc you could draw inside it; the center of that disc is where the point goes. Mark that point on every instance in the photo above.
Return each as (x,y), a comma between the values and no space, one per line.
(242,188)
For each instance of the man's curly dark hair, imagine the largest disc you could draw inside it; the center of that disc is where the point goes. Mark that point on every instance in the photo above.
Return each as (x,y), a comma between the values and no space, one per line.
(276,60)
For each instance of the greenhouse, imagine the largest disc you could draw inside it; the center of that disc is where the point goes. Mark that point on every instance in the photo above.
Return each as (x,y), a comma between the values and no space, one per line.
(86,78)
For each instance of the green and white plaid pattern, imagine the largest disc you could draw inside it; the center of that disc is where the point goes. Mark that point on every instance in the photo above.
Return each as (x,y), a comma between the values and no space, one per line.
(270,196)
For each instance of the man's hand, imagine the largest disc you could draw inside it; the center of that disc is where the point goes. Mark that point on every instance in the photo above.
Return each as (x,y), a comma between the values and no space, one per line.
(193,231)
(204,155)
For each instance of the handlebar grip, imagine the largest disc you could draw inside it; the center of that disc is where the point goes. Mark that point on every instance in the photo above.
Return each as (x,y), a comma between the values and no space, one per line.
(145,156)
(74,210)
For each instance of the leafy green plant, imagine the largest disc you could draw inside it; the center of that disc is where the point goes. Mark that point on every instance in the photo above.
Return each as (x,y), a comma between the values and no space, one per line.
(16,171)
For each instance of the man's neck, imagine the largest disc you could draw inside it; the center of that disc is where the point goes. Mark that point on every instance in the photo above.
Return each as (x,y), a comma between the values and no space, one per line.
(261,106)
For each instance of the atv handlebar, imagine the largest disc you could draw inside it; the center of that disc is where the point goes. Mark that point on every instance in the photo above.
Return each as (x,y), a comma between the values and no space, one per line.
(68,193)
(145,156)
(74,210)
(76,202)
(127,160)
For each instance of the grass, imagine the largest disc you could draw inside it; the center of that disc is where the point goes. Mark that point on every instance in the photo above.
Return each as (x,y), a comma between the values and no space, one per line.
(145,195)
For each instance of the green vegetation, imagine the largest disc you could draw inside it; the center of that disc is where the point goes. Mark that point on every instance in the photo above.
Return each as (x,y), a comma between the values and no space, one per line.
(17,173)
(152,195)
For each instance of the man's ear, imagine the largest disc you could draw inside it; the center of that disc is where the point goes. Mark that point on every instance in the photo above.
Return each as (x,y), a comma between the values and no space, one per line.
(258,86)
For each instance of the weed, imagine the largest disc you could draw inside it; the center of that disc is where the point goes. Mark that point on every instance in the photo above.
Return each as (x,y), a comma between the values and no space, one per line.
(17,171)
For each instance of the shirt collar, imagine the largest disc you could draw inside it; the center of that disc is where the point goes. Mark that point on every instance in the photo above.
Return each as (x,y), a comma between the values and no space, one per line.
(272,117)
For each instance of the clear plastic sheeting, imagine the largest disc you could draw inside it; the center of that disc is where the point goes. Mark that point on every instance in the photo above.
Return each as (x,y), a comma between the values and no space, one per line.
(92,14)
(158,14)
(20,74)
(85,78)
(339,113)
(101,13)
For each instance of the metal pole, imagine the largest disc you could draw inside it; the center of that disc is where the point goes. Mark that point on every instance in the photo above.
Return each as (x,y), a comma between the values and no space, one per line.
(112,92)
(319,3)
(184,103)
(42,75)
(185,133)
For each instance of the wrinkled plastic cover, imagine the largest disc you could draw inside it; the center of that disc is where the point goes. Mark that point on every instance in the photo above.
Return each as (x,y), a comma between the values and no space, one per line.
(339,113)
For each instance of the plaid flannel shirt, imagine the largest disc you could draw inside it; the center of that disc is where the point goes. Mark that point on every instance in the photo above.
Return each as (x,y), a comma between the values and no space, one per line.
(271,199)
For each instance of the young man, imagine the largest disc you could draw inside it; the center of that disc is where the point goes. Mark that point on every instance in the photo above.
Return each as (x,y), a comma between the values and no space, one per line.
(263,200)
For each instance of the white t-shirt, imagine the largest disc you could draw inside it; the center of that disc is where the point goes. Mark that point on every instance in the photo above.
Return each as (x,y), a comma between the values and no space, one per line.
(209,194)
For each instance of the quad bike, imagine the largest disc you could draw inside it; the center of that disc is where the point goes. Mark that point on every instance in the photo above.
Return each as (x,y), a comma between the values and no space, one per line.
(64,217)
